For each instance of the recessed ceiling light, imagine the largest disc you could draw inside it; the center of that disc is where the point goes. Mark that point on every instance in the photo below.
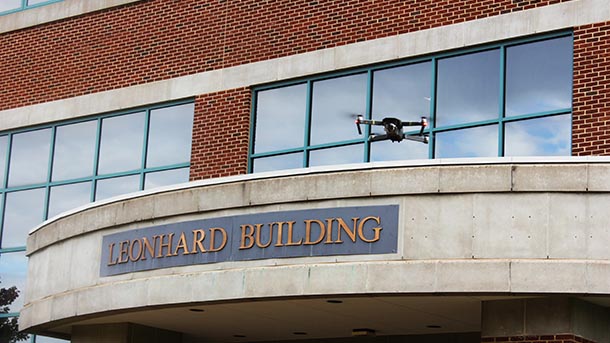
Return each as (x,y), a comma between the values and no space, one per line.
(299,333)
(433,326)
(333,301)
(196,310)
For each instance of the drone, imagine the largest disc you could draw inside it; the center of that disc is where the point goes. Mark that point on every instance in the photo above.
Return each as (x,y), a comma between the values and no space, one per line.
(394,129)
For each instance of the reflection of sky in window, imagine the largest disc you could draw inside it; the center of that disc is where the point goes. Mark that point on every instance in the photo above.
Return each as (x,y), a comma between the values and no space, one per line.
(74,150)
(3,152)
(7,5)
(280,118)
(43,339)
(467,88)
(336,102)
(23,211)
(107,188)
(121,143)
(548,136)
(340,155)
(402,92)
(13,272)
(166,177)
(479,141)
(30,157)
(392,151)
(539,76)
(63,198)
(169,135)
(34,2)
(280,162)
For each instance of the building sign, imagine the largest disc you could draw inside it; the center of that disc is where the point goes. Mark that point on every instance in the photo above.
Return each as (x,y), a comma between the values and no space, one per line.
(316,232)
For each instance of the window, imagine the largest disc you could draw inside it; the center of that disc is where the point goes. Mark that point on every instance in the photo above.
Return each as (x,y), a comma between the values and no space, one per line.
(48,170)
(10,6)
(508,99)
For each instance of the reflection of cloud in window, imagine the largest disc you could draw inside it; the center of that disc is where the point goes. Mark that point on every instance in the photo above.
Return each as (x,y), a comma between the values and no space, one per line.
(288,161)
(3,152)
(335,104)
(166,177)
(280,118)
(121,143)
(548,136)
(474,142)
(539,76)
(402,92)
(7,5)
(63,198)
(169,136)
(340,155)
(392,151)
(74,150)
(14,268)
(23,211)
(30,157)
(468,88)
(107,188)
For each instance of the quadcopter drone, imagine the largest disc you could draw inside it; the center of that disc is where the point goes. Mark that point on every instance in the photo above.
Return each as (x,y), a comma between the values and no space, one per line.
(394,129)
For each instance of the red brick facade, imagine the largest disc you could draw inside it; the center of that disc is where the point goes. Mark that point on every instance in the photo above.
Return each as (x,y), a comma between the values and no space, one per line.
(562,338)
(591,102)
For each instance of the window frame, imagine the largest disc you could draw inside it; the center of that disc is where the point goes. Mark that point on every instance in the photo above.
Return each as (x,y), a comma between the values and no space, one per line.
(432,129)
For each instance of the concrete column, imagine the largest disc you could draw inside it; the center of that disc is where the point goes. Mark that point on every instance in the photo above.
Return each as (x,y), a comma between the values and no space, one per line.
(544,319)
(122,333)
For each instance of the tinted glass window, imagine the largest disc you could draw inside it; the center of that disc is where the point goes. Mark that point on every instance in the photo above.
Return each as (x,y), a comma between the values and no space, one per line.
(336,102)
(166,177)
(548,136)
(13,272)
(121,143)
(74,151)
(479,141)
(22,212)
(3,153)
(339,155)
(30,157)
(392,151)
(63,198)
(108,188)
(280,162)
(468,88)
(280,120)
(169,135)
(539,76)
(7,5)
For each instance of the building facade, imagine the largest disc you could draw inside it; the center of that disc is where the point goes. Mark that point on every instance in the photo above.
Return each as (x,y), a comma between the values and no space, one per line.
(190,171)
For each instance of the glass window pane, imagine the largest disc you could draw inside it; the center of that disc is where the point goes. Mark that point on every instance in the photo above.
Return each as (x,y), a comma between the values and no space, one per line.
(468,88)
(30,158)
(479,141)
(166,177)
(539,76)
(402,92)
(107,188)
(121,143)
(35,2)
(44,339)
(288,161)
(22,212)
(549,136)
(340,155)
(63,198)
(74,151)
(3,152)
(169,135)
(13,272)
(7,5)
(336,103)
(280,118)
(392,151)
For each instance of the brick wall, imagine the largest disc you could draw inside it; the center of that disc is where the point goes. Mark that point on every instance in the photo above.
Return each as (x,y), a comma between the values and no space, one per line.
(591,103)
(160,39)
(562,338)
(220,134)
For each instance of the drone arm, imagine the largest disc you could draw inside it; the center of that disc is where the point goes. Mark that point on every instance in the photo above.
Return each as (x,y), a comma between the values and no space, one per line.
(375,138)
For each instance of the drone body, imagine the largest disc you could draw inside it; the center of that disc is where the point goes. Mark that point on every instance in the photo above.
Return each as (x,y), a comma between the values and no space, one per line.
(393,128)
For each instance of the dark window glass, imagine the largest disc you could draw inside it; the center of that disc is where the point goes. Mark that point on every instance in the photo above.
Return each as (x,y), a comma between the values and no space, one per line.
(336,102)
(166,177)
(63,198)
(169,135)
(280,118)
(402,92)
(121,143)
(280,162)
(107,188)
(74,151)
(3,153)
(468,88)
(340,155)
(22,212)
(30,158)
(547,136)
(13,272)
(539,77)
(481,141)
